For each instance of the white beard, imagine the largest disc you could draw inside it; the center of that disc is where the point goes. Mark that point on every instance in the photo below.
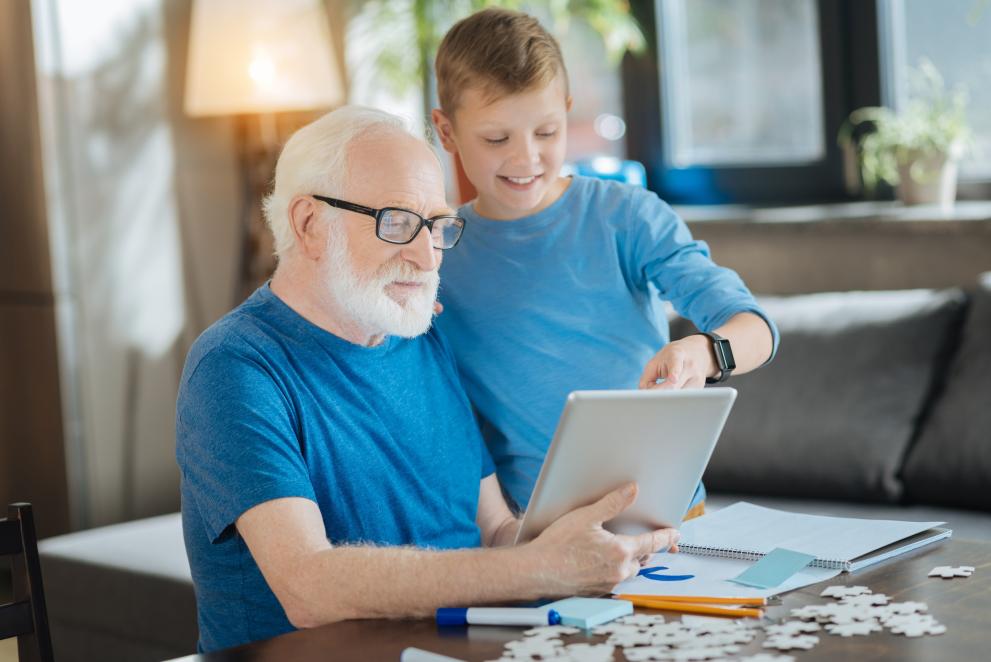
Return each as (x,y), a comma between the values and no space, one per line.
(366,302)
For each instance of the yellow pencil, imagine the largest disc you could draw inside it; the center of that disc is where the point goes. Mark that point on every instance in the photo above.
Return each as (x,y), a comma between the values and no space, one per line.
(690,608)
(756,602)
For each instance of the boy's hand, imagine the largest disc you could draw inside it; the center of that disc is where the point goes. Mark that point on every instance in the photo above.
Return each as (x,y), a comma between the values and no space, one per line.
(579,556)
(682,363)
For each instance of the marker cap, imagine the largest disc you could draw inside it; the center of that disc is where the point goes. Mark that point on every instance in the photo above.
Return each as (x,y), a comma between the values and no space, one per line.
(452,616)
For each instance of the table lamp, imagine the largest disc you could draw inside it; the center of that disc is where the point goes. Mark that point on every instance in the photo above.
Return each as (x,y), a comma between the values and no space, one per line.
(254,59)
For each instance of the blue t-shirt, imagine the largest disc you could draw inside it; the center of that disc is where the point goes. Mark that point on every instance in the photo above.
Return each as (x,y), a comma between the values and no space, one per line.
(383,439)
(571,298)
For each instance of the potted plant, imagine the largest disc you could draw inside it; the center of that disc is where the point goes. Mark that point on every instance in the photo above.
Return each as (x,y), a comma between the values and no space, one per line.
(915,149)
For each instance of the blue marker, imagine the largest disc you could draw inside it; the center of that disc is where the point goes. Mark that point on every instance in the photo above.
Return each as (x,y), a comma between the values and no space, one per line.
(497,616)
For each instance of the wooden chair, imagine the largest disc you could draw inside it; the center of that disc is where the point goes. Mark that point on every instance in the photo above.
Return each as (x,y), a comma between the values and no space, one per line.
(26,617)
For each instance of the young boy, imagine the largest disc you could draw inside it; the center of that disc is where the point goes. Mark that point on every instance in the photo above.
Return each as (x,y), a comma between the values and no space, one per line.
(557,284)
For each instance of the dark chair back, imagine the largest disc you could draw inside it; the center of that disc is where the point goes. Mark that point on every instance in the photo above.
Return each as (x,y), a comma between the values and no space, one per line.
(26,617)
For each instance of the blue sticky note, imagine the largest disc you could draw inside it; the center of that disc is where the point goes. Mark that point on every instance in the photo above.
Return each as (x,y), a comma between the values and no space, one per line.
(774,569)
(587,613)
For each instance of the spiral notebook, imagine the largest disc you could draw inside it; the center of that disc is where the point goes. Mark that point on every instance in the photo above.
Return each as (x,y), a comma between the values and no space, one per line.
(748,532)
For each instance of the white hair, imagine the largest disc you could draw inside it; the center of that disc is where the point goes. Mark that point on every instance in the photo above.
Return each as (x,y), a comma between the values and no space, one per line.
(314,161)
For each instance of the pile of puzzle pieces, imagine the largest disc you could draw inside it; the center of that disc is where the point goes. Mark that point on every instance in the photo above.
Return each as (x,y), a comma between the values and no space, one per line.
(641,637)
(856,611)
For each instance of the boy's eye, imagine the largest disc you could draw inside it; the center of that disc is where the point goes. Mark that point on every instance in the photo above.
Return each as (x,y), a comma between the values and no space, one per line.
(496,141)
(546,134)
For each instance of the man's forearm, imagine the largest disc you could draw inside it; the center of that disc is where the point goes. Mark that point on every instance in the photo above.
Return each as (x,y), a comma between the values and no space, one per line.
(383,582)
(316,583)
(751,339)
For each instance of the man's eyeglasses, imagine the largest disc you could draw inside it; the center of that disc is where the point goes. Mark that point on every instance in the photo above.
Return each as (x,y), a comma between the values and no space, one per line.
(401,226)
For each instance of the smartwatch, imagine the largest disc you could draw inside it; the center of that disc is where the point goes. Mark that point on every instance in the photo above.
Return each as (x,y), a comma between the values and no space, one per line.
(724,356)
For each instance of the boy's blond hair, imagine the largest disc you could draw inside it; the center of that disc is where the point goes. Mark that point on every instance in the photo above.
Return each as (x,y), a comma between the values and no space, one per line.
(500,51)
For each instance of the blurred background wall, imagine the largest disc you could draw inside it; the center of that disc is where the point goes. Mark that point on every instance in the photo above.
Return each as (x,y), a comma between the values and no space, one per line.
(123,237)
(120,219)
(32,459)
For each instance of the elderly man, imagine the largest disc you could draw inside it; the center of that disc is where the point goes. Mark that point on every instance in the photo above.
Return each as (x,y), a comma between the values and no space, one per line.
(331,467)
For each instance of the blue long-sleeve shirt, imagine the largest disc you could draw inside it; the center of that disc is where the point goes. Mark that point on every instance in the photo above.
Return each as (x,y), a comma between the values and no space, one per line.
(571,298)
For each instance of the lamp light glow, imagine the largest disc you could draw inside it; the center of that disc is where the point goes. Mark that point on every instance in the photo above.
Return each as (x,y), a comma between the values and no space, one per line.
(260,56)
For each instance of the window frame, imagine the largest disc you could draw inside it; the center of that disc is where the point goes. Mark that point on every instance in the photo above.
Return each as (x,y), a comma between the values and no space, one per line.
(851,77)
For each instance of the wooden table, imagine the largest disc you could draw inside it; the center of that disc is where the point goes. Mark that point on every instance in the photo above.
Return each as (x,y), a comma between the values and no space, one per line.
(962,604)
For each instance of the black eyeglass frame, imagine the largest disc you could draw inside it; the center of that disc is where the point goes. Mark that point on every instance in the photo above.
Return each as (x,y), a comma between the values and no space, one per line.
(377,214)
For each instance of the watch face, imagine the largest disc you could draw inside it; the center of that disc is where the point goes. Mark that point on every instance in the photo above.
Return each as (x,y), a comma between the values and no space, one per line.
(724,355)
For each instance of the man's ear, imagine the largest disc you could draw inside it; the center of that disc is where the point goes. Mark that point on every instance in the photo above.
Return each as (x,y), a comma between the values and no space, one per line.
(445,130)
(309,232)
(568,103)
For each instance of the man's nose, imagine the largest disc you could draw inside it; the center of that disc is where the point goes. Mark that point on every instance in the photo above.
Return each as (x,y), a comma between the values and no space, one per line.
(421,251)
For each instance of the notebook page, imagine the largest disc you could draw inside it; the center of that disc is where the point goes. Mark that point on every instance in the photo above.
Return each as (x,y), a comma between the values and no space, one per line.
(703,575)
(749,528)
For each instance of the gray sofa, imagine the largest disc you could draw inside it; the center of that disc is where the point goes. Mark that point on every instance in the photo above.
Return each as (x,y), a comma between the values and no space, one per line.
(877,405)
(882,399)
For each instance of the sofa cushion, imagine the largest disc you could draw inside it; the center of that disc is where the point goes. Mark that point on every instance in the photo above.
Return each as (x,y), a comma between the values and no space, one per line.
(950,463)
(833,414)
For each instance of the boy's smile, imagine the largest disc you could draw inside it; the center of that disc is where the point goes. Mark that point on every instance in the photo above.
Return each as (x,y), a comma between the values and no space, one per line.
(512,148)
(520,183)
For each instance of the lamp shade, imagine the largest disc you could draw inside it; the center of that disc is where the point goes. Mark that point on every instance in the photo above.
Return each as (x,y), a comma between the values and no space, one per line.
(260,56)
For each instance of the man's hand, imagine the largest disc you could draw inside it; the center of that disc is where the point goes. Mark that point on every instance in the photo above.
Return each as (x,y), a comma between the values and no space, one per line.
(682,363)
(582,557)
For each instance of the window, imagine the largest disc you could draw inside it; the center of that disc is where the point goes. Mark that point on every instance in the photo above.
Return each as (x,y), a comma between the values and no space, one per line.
(741,101)
(955,35)
(743,83)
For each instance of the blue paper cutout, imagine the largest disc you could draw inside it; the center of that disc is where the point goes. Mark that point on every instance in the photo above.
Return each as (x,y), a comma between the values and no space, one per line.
(650,573)
(774,569)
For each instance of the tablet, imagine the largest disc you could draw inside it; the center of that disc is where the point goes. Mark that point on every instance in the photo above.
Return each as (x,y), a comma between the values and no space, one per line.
(659,438)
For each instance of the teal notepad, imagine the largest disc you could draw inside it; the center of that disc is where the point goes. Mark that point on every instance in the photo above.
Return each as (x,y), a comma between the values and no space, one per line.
(774,569)
(586,613)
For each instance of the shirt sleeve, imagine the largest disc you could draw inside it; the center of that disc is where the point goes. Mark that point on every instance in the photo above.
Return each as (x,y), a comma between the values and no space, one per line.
(236,441)
(659,250)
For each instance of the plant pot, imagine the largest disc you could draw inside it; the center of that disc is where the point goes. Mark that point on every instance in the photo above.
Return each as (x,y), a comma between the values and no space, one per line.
(928,178)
